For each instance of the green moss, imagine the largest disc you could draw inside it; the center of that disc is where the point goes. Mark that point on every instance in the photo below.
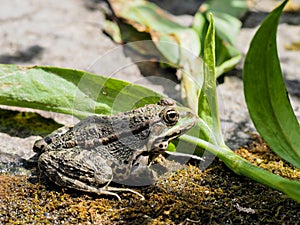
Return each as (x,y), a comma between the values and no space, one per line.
(184,196)
(25,124)
(261,155)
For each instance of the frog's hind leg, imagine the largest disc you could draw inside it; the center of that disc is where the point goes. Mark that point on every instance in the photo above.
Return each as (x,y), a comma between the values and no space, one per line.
(106,190)
(81,170)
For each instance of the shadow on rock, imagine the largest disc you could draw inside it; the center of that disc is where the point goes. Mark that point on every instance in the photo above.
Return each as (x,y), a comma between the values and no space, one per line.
(20,56)
(25,124)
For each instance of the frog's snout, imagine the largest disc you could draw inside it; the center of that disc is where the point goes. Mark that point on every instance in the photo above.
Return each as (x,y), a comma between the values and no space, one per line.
(39,145)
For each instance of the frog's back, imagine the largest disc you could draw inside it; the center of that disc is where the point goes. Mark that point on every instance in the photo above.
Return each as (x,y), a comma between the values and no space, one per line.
(116,136)
(126,131)
(125,123)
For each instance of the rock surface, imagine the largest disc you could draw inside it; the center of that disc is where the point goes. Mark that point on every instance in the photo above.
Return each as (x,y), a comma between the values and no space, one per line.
(69,34)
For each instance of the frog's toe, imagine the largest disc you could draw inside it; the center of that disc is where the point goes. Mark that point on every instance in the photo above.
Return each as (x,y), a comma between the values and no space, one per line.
(113,189)
(104,192)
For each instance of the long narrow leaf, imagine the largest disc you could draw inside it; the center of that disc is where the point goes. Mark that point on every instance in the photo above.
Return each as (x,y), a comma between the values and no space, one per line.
(68,91)
(266,95)
(208,103)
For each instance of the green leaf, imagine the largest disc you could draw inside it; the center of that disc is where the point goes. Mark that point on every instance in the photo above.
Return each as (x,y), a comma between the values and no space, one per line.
(234,8)
(113,30)
(199,83)
(170,37)
(266,95)
(69,91)
(227,27)
(224,24)
(208,102)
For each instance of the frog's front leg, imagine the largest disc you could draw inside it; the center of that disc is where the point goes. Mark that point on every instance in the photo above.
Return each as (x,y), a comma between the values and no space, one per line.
(141,173)
(79,169)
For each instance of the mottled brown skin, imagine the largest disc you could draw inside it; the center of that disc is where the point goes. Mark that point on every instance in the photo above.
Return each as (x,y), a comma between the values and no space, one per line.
(118,148)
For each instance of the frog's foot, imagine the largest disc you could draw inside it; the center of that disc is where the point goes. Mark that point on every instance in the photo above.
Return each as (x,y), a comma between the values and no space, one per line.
(105,190)
(108,190)
(109,193)
(111,190)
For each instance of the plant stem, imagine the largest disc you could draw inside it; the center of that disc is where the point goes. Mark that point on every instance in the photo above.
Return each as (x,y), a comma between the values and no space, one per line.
(243,167)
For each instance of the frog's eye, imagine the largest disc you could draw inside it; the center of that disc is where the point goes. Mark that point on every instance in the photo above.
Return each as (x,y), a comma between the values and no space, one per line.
(171,116)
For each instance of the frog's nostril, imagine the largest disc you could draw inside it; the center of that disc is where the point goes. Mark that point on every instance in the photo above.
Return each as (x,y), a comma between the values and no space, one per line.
(38,148)
(48,140)
(163,145)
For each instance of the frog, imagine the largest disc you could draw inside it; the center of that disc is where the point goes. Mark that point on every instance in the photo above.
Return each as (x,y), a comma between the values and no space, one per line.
(118,148)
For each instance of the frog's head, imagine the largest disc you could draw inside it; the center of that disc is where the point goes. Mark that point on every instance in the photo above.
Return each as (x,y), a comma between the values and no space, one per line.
(171,122)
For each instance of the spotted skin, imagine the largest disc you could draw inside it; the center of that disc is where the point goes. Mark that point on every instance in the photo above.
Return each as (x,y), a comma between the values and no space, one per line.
(118,148)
